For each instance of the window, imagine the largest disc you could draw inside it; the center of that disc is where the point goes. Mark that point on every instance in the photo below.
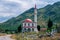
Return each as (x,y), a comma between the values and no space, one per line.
(29,29)
(28,24)
(25,29)
(25,24)
(32,29)
(32,24)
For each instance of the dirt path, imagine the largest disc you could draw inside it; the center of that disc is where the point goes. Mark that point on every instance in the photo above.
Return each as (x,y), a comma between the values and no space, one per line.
(6,37)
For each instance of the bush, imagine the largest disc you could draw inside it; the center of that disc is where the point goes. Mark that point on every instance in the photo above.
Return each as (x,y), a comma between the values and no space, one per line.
(19,28)
(38,27)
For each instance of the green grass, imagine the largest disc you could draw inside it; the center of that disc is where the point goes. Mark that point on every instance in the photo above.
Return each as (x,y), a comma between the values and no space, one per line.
(20,36)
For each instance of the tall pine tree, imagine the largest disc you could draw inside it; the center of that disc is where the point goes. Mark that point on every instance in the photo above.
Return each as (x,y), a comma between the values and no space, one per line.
(50,24)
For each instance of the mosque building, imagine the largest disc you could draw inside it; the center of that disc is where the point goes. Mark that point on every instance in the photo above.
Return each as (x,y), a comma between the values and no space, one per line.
(29,25)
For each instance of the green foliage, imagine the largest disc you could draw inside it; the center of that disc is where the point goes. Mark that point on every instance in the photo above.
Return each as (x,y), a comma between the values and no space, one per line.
(19,28)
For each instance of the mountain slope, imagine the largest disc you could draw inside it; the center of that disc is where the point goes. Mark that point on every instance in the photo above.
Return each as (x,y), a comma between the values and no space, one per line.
(52,11)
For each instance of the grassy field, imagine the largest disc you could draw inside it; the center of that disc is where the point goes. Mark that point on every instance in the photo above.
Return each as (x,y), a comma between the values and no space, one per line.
(27,36)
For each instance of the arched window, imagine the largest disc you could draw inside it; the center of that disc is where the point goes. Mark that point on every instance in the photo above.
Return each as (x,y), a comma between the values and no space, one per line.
(28,24)
(32,24)
(29,29)
(32,29)
(25,29)
(25,24)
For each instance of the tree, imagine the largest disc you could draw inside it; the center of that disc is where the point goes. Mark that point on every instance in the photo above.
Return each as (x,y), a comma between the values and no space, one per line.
(19,28)
(50,24)
(38,27)
(1,30)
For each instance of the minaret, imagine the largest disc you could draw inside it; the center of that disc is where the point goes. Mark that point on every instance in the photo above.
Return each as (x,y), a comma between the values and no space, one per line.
(35,18)
(35,14)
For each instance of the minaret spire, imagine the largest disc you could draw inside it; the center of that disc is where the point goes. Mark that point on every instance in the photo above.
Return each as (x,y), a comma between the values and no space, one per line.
(35,18)
(35,14)
(35,6)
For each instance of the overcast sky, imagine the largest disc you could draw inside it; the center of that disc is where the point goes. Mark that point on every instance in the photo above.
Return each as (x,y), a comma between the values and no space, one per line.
(12,8)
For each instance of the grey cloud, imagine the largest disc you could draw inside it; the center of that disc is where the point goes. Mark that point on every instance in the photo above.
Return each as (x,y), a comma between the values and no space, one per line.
(10,9)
